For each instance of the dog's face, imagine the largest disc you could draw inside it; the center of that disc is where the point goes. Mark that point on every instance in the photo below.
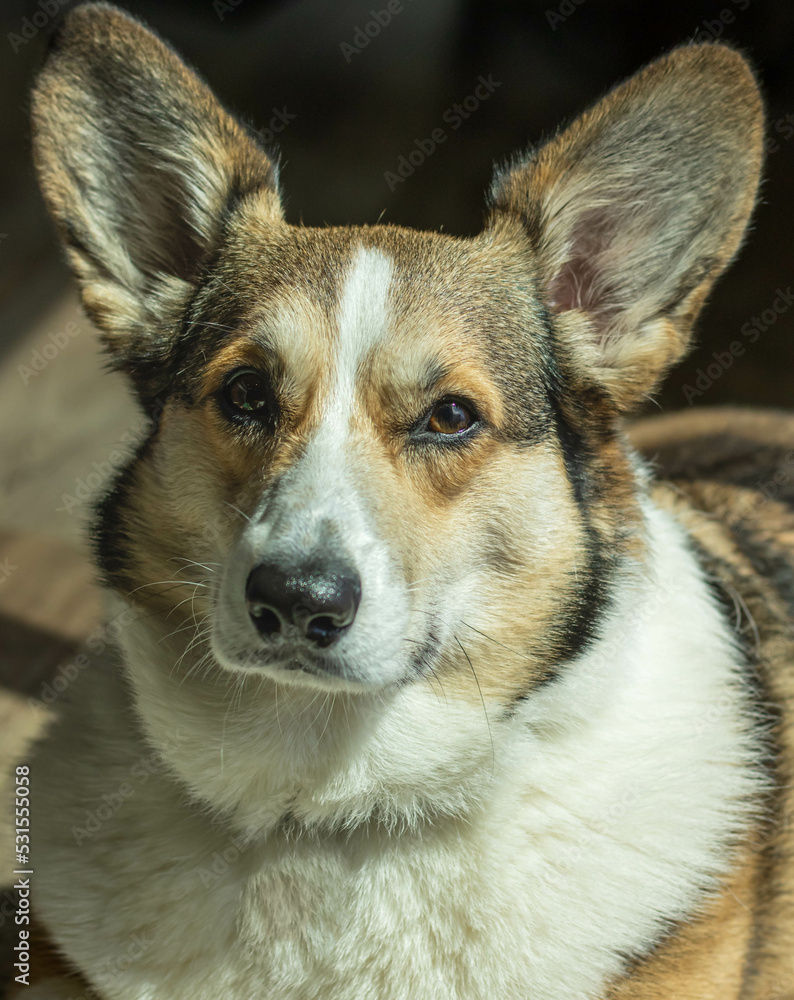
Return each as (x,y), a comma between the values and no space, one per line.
(383,455)
(399,483)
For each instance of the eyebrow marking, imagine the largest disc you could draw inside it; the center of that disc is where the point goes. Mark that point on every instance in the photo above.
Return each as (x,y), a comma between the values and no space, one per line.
(435,371)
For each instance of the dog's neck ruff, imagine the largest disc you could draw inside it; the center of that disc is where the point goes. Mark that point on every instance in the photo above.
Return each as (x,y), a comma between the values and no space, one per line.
(595,813)
(249,750)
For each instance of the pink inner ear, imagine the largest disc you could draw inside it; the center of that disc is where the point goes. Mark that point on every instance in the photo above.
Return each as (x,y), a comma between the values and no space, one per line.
(584,280)
(579,284)
(575,286)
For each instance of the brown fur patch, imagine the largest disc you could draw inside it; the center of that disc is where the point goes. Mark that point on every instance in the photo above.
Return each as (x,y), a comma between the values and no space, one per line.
(747,541)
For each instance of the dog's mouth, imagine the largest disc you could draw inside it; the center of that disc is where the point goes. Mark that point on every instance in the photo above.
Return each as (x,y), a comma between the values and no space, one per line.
(346,665)
(320,667)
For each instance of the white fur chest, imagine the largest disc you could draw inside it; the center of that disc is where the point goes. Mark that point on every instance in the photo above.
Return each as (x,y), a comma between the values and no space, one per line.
(614,797)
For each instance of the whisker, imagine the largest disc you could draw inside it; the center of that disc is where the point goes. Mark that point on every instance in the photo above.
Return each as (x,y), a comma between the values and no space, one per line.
(238,511)
(515,652)
(278,717)
(203,629)
(182,628)
(161,583)
(238,683)
(438,681)
(202,322)
(485,710)
(192,598)
(319,713)
(328,717)
(222,282)
(192,562)
(306,709)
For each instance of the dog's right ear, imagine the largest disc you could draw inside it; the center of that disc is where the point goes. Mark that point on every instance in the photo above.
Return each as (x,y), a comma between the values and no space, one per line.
(140,166)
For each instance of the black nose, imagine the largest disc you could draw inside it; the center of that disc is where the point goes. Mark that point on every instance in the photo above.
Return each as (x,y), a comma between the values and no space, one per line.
(319,601)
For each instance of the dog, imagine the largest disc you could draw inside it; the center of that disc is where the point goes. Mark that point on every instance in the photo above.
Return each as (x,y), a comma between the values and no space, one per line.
(437,678)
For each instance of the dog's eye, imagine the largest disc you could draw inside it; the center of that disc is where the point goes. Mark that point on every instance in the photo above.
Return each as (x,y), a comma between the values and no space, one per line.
(450,416)
(247,394)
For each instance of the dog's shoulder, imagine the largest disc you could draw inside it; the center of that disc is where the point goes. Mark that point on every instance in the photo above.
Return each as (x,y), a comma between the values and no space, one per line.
(740,449)
(727,475)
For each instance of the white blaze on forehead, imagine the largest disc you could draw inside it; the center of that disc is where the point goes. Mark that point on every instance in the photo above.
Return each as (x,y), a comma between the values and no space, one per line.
(362,321)
(323,484)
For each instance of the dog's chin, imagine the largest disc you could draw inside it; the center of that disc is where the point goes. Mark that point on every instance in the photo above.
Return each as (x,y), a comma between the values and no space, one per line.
(324,673)
(357,665)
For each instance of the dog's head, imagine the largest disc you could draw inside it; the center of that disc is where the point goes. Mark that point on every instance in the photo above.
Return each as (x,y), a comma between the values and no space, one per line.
(384,455)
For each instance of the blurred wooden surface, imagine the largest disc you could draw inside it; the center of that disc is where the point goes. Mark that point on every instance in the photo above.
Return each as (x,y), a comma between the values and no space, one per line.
(65,424)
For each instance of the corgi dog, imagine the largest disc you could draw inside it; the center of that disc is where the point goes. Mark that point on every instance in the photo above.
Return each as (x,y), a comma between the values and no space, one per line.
(437,679)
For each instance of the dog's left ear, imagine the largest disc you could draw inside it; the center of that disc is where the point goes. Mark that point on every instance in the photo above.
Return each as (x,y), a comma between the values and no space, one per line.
(636,208)
(141,169)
